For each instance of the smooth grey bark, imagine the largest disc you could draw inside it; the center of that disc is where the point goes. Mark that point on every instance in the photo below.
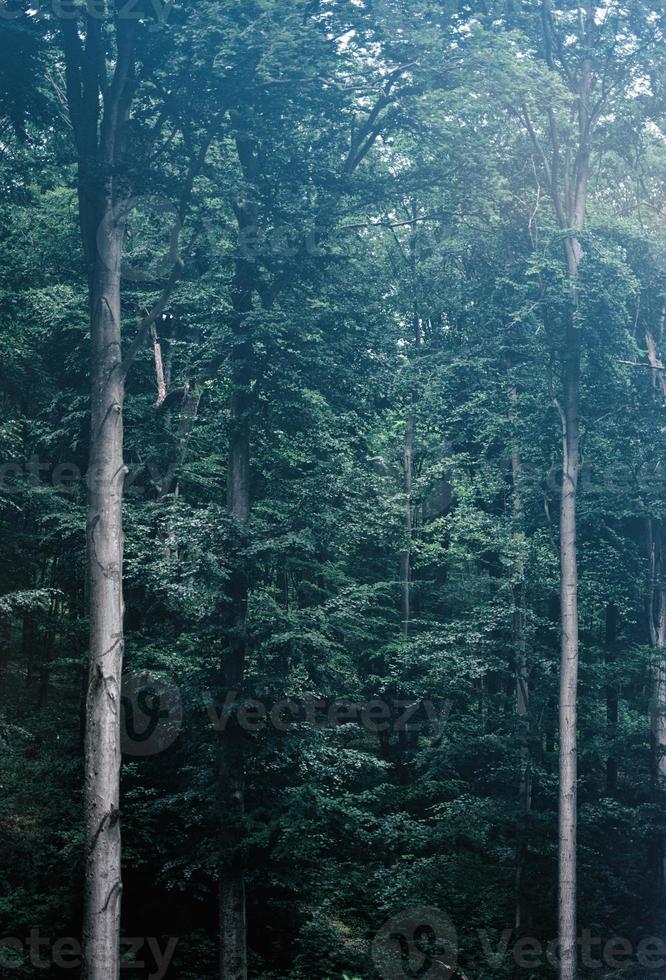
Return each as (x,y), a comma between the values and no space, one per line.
(160,373)
(656,616)
(657,598)
(231,746)
(570,208)
(612,696)
(406,554)
(567,169)
(99,113)
(408,453)
(522,914)
(106,473)
(568,710)
(657,633)
(98,122)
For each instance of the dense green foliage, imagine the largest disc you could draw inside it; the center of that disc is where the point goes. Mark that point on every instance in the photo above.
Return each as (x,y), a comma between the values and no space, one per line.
(405,264)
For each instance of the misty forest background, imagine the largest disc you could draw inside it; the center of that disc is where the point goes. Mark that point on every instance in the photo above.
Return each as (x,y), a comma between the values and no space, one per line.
(374,289)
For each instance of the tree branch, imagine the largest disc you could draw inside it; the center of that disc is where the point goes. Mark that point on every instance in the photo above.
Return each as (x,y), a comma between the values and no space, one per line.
(150,318)
(537,143)
(363,141)
(392,224)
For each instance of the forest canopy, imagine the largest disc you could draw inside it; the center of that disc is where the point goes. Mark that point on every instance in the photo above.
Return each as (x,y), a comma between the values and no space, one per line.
(332,489)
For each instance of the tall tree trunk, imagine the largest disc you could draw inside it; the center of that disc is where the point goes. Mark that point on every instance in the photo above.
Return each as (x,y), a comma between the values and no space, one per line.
(231,758)
(99,116)
(99,109)
(406,554)
(106,474)
(522,916)
(612,697)
(408,455)
(657,633)
(567,171)
(656,619)
(231,752)
(568,767)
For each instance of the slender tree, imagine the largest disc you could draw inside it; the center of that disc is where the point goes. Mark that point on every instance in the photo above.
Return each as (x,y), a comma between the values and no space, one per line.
(101,55)
(257,284)
(566,163)
(595,72)
(656,621)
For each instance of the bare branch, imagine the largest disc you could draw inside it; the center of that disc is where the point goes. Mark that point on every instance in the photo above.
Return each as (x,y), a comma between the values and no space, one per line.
(391,224)
(640,364)
(537,143)
(150,318)
(62,99)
